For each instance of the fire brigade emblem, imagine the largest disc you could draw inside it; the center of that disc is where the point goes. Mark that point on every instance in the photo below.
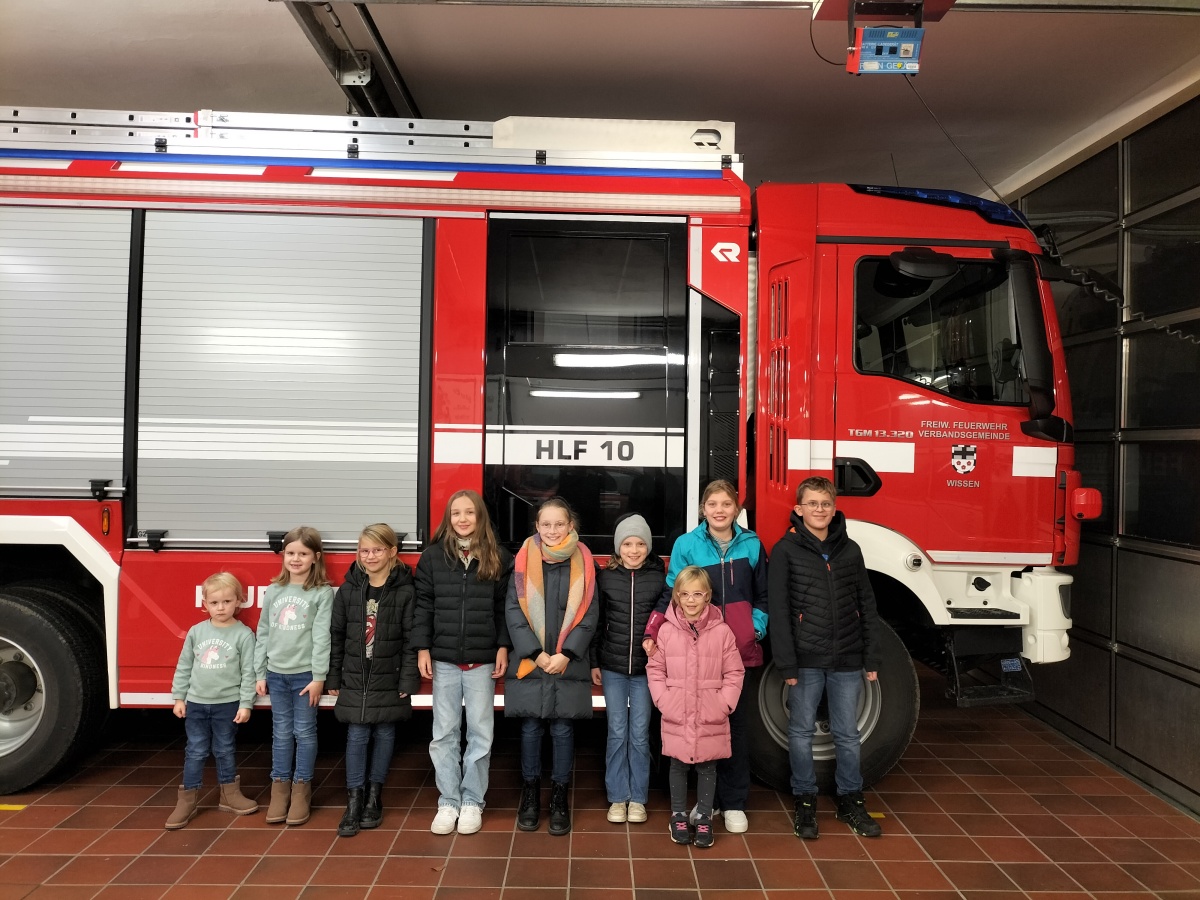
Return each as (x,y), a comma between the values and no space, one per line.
(962,457)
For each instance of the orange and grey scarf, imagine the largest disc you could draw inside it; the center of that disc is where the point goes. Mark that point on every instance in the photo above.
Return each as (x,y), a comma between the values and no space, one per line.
(531,589)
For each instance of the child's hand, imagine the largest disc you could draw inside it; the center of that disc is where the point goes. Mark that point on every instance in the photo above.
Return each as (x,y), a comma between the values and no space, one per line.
(501,663)
(542,660)
(243,716)
(792,682)
(596,677)
(425,664)
(333,693)
(180,709)
(260,688)
(649,646)
(313,689)
(872,676)
(558,664)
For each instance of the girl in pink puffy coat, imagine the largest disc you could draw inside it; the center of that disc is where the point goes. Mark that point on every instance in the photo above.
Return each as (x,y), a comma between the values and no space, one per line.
(695,679)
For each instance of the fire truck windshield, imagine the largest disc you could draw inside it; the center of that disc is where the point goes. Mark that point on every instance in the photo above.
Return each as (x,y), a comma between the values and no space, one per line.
(956,334)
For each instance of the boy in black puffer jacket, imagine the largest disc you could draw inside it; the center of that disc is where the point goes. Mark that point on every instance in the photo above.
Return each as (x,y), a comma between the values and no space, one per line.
(824,629)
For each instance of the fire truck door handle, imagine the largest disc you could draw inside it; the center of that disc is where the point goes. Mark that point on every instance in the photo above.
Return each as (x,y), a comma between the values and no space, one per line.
(854,477)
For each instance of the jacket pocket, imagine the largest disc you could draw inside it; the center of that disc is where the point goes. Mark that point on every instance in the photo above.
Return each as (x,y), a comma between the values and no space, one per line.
(712,707)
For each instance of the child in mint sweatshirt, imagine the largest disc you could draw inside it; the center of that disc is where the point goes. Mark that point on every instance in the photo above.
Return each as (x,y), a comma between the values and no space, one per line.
(213,691)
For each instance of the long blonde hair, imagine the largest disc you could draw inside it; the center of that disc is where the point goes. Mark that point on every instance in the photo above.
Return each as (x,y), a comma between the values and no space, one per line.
(483,544)
(310,538)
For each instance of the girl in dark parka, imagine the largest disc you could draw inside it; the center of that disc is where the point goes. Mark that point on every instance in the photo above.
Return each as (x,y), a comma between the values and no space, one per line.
(372,668)
(551,615)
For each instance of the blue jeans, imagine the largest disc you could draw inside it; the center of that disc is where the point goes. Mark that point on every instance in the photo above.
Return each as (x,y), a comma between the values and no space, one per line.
(627,707)
(293,727)
(357,737)
(209,728)
(462,778)
(844,690)
(562,748)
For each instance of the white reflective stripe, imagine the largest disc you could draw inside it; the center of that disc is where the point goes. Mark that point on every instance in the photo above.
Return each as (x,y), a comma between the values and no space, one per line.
(457,426)
(457,447)
(325,192)
(695,304)
(1005,559)
(380,174)
(419,701)
(696,257)
(1034,462)
(882,456)
(804,454)
(189,168)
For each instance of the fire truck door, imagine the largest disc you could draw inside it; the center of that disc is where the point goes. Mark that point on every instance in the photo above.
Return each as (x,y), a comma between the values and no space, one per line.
(586,373)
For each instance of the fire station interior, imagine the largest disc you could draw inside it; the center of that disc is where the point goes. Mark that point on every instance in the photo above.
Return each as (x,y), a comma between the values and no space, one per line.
(1083,116)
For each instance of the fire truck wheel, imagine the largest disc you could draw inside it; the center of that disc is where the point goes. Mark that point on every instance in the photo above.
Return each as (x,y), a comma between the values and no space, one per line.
(887,717)
(51,688)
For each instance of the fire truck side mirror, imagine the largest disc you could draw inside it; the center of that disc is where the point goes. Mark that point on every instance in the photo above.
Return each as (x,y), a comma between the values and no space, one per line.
(1086,503)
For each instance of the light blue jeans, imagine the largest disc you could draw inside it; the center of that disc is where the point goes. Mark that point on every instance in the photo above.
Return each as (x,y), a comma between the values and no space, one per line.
(293,727)
(627,758)
(462,777)
(844,690)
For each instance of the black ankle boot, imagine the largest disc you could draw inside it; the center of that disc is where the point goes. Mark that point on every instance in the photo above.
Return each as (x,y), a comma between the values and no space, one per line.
(352,820)
(530,810)
(804,822)
(560,811)
(372,813)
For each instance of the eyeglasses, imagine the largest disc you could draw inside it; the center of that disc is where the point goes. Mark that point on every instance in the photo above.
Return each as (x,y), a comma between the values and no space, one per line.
(692,595)
(372,551)
(814,505)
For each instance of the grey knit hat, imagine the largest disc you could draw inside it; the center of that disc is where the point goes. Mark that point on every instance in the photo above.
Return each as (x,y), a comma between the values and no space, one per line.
(631,526)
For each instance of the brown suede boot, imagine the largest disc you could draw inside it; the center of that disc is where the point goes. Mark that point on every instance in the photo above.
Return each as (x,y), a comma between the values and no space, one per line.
(185,809)
(281,792)
(300,810)
(234,801)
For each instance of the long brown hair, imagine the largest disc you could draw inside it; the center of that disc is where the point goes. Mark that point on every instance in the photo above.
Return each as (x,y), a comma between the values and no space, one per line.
(483,544)
(310,538)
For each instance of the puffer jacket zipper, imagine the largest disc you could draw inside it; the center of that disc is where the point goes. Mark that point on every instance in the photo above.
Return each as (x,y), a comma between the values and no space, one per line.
(366,598)
(462,613)
(632,614)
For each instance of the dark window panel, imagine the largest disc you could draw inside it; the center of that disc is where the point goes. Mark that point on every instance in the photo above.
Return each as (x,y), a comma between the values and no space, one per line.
(1162,490)
(1164,262)
(1092,370)
(1162,157)
(1079,310)
(1164,379)
(1080,200)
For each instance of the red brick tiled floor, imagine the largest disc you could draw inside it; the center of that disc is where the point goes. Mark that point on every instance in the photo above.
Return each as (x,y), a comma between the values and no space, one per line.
(987,803)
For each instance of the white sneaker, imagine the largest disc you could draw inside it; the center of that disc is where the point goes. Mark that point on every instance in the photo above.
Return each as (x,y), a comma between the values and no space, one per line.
(616,812)
(443,822)
(637,812)
(470,819)
(736,821)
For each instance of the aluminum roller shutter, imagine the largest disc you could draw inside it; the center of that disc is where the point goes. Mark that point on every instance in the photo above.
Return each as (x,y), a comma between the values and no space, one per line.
(64,285)
(279,375)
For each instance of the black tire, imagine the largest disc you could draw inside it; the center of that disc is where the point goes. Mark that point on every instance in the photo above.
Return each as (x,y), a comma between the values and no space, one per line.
(887,718)
(63,596)
(66,662)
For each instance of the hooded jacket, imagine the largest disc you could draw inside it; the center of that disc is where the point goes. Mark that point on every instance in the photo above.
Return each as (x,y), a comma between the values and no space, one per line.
(627,598)
(822,611)
(695,681)
(460,619)
(739,583)
(369,689)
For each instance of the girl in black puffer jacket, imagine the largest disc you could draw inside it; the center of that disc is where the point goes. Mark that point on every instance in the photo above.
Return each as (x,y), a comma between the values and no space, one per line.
(462,646)
(372,668)
(628,589)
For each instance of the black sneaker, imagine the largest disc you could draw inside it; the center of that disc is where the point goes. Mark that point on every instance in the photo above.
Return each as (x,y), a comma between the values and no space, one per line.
(680,833)
(804,823)
(704,832)
(853,811)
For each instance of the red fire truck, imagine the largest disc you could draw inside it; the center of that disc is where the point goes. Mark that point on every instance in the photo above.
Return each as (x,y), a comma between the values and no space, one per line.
(216,326)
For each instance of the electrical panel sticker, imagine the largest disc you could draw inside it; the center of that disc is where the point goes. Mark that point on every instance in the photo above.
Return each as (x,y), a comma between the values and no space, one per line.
(884,51)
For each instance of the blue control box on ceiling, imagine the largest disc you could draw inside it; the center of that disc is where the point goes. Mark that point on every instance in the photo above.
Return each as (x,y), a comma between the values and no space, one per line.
(883,51)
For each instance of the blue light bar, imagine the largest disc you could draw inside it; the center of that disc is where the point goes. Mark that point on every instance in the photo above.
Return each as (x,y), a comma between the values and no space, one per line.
(990,210)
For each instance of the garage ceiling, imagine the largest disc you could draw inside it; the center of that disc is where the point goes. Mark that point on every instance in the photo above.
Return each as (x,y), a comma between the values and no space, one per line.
(1022,92)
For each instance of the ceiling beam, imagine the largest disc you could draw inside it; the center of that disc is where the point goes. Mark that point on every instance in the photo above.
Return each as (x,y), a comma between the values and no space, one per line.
(1165,7)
